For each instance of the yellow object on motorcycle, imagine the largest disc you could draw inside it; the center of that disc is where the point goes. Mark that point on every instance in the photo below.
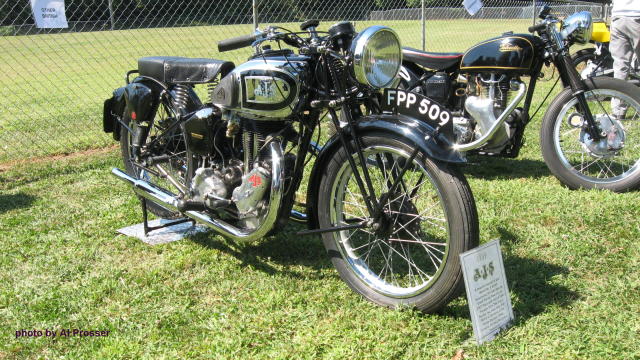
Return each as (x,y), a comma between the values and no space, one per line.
(600,32)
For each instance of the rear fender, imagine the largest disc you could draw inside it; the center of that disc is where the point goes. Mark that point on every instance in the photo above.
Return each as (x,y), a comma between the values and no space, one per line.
(419,133)
(137,101)
(140,102)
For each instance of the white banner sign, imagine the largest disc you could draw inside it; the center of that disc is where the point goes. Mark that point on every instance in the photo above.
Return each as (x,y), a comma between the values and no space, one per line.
(472,6)
(49,14)
(487,291)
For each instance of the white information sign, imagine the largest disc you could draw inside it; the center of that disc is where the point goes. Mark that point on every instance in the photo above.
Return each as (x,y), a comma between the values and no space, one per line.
(472,6)
(487,291)
(49,14)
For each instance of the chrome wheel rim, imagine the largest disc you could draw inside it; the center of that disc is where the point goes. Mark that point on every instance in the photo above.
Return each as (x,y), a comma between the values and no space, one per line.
(407,256)
(573,150)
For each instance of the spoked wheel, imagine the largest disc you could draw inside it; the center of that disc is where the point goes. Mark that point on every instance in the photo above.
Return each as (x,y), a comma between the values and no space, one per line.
(410,255)
(171,174)
(578,161)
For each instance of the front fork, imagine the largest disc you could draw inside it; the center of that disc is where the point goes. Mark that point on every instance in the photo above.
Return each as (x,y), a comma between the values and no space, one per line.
(579,88)
(375,207)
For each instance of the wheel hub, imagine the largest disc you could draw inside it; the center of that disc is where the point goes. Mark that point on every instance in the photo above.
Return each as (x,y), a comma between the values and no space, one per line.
(399,215)
(611,142)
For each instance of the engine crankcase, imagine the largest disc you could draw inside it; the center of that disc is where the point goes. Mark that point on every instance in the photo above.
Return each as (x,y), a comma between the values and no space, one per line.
(249,196)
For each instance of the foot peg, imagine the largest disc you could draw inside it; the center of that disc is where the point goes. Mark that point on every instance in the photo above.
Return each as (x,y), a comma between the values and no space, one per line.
(194,205)
(190,205)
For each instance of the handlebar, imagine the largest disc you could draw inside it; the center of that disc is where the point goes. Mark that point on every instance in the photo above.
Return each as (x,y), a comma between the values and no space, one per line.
(538,27)
(236,42)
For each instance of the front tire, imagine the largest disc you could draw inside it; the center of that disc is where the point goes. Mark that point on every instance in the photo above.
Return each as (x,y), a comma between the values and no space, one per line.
(611,163)
(412,259)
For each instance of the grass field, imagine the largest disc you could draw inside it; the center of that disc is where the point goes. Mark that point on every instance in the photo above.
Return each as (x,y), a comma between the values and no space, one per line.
(52,86)
(572,260)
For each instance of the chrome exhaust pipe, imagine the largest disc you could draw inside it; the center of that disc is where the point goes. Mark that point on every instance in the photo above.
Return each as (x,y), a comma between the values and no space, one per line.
(496,124)
(169,201)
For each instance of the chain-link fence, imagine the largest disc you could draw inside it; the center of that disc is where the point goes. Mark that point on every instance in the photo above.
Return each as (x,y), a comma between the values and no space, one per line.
(54,81)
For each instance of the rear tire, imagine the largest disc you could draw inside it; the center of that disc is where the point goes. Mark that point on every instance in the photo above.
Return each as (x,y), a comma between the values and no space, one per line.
(125,148)
(428,225)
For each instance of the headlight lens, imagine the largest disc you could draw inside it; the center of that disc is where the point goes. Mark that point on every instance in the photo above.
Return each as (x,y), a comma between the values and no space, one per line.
(577,27)
(377,56)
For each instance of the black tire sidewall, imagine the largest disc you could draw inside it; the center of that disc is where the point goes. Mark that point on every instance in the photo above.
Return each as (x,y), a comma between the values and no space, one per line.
(568,177)
(583,55)
(462,221)
(154,208)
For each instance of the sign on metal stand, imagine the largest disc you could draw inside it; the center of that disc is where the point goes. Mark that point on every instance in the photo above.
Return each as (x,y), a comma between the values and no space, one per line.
(487,290)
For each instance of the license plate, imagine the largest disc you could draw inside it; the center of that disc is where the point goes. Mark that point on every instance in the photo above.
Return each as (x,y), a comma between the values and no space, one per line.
(418,107)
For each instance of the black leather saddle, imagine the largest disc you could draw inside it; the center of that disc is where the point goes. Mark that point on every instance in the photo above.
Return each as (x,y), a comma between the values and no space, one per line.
(431,60)
(180,70)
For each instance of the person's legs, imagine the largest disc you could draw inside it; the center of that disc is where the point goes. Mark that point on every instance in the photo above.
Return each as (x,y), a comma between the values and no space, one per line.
(622,53)
(625,42)
(633,32)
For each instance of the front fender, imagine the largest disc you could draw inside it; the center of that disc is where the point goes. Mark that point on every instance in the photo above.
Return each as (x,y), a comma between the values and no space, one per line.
(419,133)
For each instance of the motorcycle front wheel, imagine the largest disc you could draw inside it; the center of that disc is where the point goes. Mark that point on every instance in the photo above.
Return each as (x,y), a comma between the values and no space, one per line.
(409,257)
(611,162)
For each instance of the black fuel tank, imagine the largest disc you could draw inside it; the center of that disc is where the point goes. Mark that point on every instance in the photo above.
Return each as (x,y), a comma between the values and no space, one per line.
(509,52)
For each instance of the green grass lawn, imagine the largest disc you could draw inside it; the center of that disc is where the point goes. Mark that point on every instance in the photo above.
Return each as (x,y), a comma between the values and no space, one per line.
(53,85)
(572,260)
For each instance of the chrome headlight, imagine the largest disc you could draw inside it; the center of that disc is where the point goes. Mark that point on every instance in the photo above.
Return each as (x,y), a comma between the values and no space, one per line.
(577,27)
(377,56)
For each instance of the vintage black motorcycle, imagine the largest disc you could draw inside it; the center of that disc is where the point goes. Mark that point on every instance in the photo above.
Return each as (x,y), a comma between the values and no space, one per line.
(384,192)
(583,145)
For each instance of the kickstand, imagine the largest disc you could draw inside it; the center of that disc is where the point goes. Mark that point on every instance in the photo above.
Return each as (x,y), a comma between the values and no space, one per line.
(145,218)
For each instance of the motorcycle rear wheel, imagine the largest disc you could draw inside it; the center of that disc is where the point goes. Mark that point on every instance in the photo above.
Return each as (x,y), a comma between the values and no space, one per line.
(412,259)
(178,166)
(576,160)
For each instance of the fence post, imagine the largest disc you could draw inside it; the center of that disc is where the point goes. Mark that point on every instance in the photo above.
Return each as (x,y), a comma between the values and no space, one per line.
(534,12)
(423,27)
(255,14)
(113,23)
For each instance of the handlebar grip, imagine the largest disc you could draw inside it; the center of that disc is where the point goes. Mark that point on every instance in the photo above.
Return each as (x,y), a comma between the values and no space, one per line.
(538,27)
(236,42)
